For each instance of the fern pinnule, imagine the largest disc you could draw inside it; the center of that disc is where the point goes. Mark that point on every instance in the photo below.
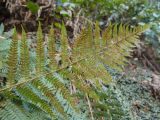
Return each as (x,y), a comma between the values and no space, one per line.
(115,33)
(12,59)
(24,57)
(79,45)
(40,57)
(89,39)
(107,35)
(126,30)
(97,36)
(121,32)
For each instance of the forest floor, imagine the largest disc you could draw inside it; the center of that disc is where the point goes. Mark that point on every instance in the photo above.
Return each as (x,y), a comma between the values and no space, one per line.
(140,88)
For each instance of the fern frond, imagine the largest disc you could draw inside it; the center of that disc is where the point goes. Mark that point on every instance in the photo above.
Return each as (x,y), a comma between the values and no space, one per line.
(40,57)
(87,72)
(25,57)
(12,59)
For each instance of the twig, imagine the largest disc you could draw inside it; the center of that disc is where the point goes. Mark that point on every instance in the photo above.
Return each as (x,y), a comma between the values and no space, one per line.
(90,107)
(76,23)
(1,37)
(150,64)
(43,7)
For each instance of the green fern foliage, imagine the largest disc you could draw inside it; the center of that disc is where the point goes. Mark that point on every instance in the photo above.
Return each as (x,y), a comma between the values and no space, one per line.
(40,50)
(97,36)
(49,94)
(35,100)
(25,57)
(58,91)
(13,59)
(64,45)
(52,49)
(13,111)
(107,34)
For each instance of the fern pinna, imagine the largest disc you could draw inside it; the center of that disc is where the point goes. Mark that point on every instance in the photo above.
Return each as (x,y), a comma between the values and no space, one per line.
(60,89)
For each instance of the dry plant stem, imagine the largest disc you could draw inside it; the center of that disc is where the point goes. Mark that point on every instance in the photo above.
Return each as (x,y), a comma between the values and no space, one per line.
(76,24)
(43,7)
(150,64)
(71,88)
(90,107)
(74,91)
(1,37)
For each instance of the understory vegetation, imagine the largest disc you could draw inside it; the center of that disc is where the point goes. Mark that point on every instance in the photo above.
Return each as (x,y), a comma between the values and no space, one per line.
(79,60)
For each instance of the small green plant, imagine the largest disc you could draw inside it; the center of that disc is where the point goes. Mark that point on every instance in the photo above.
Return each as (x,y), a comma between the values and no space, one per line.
(33,7)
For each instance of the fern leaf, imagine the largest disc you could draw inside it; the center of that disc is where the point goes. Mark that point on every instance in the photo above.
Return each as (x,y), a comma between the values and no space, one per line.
(64,44)
(97,37)
(107,35)
(115,32)
(25,57)
(52,49)
(40,50)
(89,39)
(121,31)
(12,59)
(79,46)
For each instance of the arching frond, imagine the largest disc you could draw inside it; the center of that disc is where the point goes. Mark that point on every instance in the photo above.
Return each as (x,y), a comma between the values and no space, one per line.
(85,73)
